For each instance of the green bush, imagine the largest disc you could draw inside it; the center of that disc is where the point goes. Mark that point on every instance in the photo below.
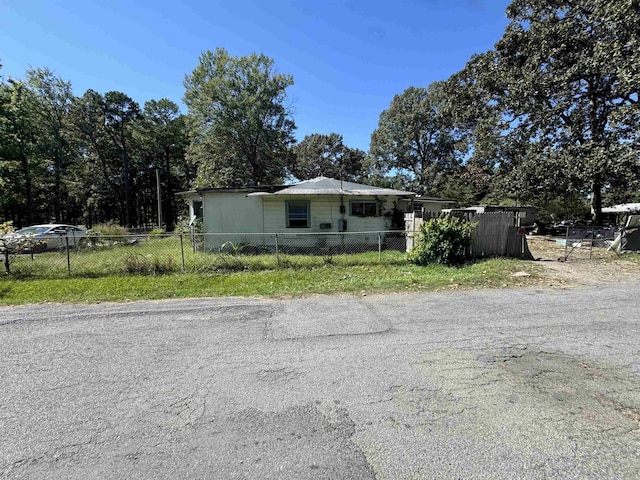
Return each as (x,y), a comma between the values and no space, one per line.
(157,231)
(443,240)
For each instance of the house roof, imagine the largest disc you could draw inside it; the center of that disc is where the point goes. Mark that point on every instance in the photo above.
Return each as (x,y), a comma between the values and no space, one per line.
(420,199)
(261,189)
(331,186)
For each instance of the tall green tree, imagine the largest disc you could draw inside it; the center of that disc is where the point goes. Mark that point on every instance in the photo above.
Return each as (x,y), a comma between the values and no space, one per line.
(87,159)
(241,129)
(20,163)
(326,155)
(120,113)
(563,85)
(162,140)
(52,104)
(416,138)
(97,173)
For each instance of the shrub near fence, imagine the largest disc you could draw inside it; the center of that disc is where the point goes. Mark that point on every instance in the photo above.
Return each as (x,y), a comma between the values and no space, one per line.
(496,234)
(158,254)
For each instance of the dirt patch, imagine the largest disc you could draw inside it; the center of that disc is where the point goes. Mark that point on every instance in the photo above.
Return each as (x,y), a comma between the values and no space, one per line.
(584,265)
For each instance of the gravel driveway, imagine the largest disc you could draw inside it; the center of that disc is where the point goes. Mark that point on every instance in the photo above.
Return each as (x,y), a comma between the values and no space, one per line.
(483,384)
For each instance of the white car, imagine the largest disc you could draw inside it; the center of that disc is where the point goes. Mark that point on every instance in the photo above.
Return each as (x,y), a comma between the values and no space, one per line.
(40,238)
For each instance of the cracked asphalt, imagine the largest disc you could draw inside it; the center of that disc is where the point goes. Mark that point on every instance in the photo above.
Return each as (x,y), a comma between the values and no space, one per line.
(476,385)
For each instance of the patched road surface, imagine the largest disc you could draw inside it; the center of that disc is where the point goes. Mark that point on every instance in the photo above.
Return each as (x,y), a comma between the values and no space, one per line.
(477,385)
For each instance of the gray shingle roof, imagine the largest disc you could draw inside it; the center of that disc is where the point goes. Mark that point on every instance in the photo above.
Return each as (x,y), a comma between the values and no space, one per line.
(331,186)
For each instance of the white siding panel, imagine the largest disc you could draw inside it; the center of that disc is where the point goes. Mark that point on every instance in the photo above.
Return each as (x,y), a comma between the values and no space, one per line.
(274,216)
(432,206)
(231,212)
(370,224)
(322,210)
(325,209)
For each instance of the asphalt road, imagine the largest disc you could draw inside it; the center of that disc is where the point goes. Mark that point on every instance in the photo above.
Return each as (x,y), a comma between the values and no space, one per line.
(483,384)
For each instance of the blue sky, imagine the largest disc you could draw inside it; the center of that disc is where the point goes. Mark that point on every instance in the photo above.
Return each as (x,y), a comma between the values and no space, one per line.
(348,58)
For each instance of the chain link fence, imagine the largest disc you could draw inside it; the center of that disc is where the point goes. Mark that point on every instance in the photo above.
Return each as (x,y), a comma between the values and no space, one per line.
(575,244)
(94,256)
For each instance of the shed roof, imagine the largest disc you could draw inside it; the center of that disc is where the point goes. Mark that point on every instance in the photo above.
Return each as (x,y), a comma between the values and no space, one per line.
(623,208)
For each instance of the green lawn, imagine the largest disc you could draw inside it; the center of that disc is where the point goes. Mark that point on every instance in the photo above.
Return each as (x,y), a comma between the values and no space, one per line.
(165,255)
(328,278)
(153,269)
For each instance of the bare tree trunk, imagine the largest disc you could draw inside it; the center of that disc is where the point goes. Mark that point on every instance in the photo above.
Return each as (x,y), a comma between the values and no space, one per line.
(596,201)
(28,187)
(127,184)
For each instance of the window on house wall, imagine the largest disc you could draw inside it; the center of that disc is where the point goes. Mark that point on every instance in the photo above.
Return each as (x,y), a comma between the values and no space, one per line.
(366,208)
(197,209)
(298,213)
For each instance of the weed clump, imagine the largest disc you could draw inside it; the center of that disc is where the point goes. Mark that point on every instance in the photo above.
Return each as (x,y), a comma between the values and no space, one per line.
(148,264)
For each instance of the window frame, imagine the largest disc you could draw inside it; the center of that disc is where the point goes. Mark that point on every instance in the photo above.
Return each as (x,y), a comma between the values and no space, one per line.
(364,202)
(198,213)
(287,213)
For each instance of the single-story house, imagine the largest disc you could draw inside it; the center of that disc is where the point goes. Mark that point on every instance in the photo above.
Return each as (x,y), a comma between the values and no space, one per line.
(318,206)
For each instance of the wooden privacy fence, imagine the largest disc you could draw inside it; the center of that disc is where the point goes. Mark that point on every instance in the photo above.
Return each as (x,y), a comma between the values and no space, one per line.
(496,235)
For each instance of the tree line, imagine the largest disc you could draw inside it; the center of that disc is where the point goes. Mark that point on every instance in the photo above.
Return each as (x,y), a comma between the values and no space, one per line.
(87,159)
(548,117)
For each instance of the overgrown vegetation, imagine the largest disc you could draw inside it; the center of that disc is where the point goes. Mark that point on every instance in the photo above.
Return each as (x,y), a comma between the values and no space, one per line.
(103,255)
(11,246)
(279,282)
(5,228)
(148,264)
(444,240)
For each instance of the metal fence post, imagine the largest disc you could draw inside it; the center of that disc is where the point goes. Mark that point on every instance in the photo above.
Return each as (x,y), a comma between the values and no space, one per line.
(566,243)
(379,247)
(277,251)
(593,238)
(66,241)
(7,268)
(182,252)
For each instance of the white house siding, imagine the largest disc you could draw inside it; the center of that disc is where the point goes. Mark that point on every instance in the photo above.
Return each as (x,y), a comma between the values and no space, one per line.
(231,213)
(325,209)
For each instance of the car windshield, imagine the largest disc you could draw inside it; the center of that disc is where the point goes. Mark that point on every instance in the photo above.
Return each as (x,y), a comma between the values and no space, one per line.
(32,230)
